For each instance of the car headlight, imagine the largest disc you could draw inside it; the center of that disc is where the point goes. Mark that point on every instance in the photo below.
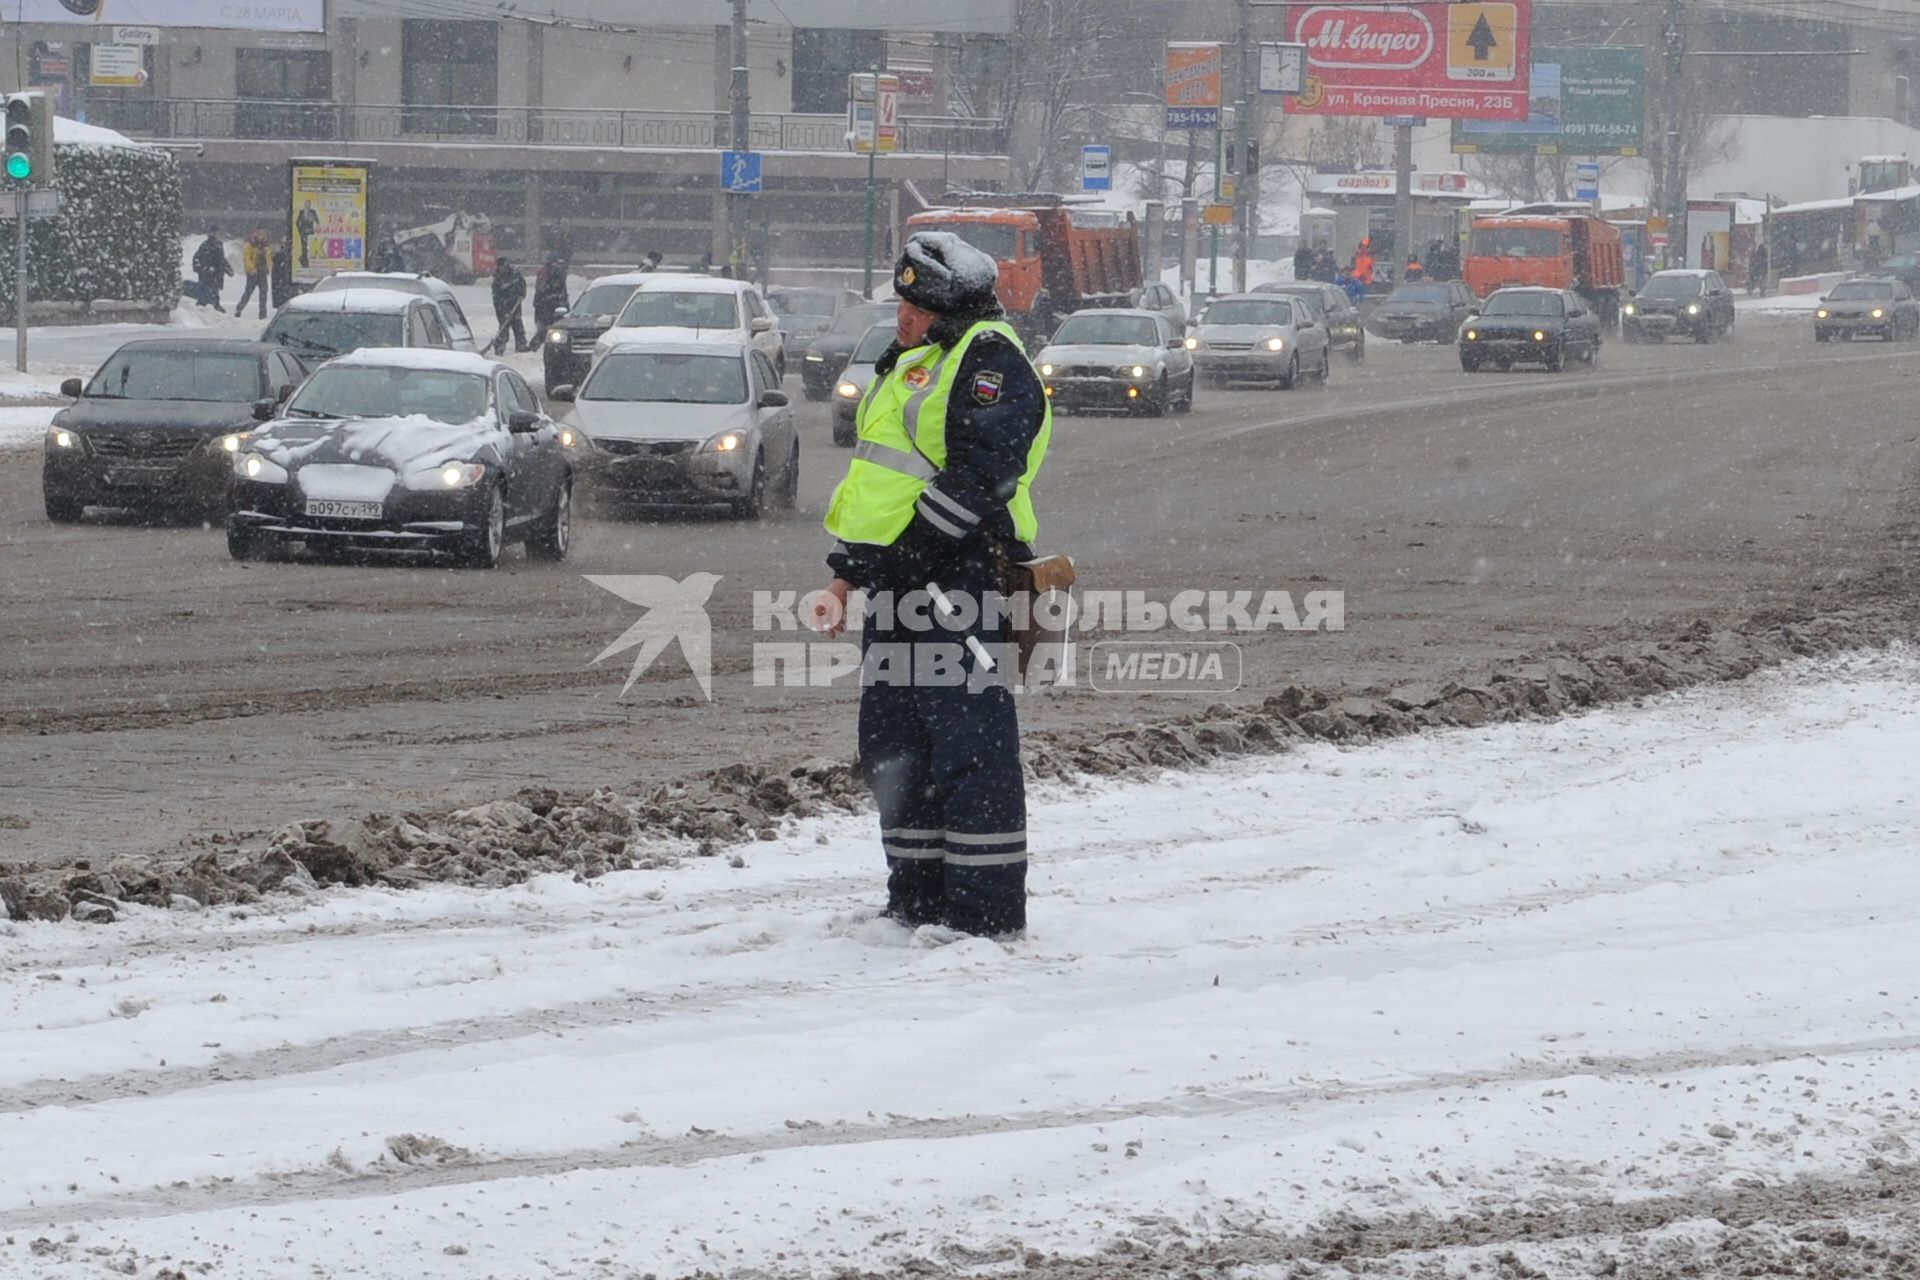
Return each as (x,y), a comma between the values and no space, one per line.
(1473,335)
(1275,344)
(61,438)
(459,475)
(569,438)
(1046,371)
(257,466)
(1629,309)
(232,442)
(1877,313)
(1539,335)
(815,357)
(1139,371)
(1821,314)
(725,442)
(1193,344)
(557,337)
(1693,308)
(847,391)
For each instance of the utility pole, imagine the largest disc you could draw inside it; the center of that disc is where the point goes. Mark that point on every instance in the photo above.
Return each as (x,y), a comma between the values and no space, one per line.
(1402,199)
(1674,182)
(1242,135)
(742,134)
(873,189)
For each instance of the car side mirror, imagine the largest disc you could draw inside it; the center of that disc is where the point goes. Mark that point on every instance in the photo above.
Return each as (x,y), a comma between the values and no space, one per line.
(523,421)
(562,393)
(284,393)
(72,388)
(263,409)
(773,399)
(561,312)
(759,324)
(1176,343)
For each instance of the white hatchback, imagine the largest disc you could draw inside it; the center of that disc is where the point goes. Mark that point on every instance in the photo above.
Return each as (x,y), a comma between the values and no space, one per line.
(672,308)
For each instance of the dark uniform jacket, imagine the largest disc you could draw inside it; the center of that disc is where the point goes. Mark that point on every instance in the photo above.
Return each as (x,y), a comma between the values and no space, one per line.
(509,291)
(989,432)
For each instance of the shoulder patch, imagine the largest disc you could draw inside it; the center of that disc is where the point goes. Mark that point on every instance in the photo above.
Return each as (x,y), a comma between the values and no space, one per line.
(986,387)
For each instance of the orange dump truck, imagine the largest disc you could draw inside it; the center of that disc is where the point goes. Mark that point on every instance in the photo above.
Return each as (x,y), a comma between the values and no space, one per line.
(1053,261)
(1557,250)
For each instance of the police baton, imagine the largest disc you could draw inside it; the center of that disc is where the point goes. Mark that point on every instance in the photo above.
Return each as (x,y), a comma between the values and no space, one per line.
(973,642)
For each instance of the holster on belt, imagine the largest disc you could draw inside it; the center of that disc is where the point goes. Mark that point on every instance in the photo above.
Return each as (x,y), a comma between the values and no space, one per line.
(1023,582)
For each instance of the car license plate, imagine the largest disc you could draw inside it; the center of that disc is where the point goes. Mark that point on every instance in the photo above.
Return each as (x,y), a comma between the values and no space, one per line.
(345,510)
(138,477)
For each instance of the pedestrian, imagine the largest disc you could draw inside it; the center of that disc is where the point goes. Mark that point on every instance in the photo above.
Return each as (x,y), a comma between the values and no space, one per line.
(1414,270)
(306,222)
(936,500)
(509,291)
(1325,269)
(1303,262)
(654,259)
(1362,269)
(282,274)
(211,266)
(256,259)
(705,265)
(387,257)
(549,292)
(1757,265)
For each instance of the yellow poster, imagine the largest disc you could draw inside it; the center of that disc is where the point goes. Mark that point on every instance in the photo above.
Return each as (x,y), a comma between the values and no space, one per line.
(329,228)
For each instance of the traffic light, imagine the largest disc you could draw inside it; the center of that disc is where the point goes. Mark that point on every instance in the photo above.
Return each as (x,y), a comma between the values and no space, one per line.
(29,149)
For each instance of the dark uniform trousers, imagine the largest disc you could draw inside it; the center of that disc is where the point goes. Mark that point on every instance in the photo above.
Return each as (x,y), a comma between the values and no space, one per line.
(943,761)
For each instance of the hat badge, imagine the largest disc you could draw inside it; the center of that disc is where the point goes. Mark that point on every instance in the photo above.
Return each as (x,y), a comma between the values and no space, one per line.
(906,275)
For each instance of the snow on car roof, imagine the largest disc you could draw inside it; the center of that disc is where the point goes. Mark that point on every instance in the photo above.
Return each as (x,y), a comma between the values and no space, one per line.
(435,359)
(399,281)
(379,301)
(1683,271)
(1145,312)
(639,346)
(624,277)
(654,282)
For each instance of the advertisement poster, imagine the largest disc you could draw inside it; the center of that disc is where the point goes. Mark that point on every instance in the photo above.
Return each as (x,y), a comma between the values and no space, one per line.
(329,226)
(1193,86)
(1584,102)
(1462,61)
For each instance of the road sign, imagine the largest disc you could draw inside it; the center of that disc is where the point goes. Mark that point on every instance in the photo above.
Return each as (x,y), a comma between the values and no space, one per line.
(1193,86)
(1423,58)
(1483,41)
(1404,122)
(1217,215)
(1583,102)
(40,204)
(873,113)
(1096,168)
(1586,180)
(1283,67)
(740,173)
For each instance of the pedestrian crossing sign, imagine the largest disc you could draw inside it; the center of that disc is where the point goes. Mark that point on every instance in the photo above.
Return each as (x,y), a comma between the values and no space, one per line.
(1483,41)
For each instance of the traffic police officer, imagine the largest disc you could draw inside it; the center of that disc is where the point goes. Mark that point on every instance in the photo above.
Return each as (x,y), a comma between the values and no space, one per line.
(951,434)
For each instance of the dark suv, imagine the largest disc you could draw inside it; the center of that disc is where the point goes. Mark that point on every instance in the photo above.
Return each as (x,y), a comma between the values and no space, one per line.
(1332,307)
(566,345)
(1694,303)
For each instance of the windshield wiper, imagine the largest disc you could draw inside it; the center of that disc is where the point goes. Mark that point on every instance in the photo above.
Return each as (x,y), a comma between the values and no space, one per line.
(312,413)
(308,343)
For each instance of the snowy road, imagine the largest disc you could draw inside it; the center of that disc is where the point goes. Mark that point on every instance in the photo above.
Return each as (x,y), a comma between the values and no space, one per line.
(1572,990)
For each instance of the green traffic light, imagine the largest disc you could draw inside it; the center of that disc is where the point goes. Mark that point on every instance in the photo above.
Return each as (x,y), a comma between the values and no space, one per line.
(19,166)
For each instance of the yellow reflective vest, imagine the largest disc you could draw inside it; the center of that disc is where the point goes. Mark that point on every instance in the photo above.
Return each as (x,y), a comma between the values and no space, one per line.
(902,445)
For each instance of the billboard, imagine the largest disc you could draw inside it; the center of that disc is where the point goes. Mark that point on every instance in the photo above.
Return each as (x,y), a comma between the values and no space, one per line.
(281,15)
(1583,102)
(328,216)
(1466,60)
(1193,86)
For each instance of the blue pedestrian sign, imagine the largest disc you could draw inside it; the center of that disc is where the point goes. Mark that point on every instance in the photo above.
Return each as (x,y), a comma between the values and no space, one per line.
(1096,168)
(1586,180)
(740,173)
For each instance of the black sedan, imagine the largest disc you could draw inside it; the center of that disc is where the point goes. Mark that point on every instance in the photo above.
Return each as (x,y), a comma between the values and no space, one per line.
(156,428)
(407,451)
(1530,326)
(828,355)
(566,345)
(1691,302)
(1425,311)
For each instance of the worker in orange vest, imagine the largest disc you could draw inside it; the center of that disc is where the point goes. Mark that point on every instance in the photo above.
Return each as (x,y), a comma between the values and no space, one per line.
(1363,263)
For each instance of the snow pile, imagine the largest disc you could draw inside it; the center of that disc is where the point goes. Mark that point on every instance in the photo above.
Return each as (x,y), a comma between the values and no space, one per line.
(72,133)
(1626,994)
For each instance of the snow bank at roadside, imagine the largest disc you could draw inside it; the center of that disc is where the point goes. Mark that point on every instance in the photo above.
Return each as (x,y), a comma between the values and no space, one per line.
(1637,956)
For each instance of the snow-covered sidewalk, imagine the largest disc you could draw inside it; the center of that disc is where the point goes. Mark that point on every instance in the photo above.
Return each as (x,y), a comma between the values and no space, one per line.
(1643,954)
